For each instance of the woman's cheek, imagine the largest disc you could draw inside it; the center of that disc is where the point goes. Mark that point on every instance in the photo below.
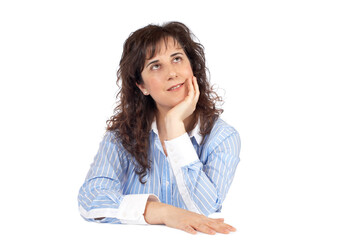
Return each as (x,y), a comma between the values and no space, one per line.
(190,72)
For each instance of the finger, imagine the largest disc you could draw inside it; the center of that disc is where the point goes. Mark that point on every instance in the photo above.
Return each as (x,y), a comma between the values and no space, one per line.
(197,91)
(196,87)
(189,229)
(219,227)
(205,229)
(231,228)
(190,88)
(218,219)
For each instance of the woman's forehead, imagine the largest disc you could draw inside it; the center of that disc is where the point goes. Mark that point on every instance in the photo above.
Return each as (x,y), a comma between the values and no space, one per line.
(161,46)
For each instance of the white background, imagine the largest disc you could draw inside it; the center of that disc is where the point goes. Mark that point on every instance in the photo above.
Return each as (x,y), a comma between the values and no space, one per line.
(290,72)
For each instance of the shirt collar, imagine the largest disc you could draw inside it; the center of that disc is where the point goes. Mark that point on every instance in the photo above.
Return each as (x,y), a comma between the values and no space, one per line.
(193,133)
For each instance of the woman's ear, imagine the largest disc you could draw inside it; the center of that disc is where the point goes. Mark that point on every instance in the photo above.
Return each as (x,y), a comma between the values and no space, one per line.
(142,89)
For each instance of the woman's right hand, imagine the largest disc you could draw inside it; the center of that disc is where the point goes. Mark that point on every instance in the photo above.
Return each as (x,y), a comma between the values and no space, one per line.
(174,119)
(160,213)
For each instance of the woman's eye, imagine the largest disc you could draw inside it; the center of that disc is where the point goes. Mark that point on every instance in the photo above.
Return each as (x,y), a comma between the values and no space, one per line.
(177,59)
(155,67)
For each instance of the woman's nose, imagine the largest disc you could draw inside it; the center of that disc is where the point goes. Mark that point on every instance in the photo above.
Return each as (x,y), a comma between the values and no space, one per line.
(172,72)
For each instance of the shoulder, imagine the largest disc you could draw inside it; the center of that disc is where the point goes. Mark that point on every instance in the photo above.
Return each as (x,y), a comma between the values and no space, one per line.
(221,132)
(110,138)
(112,141)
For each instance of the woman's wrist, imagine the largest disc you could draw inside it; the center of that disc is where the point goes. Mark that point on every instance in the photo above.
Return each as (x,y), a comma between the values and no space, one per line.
(155,212)
(174,128)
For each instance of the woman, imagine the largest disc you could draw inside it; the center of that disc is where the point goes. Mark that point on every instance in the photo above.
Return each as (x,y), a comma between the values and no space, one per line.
(167,157)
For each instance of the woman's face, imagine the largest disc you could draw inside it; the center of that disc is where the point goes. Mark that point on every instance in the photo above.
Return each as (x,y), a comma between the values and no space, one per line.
(164,75)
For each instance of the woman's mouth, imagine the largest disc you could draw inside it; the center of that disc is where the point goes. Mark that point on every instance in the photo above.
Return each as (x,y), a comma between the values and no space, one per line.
(176,87)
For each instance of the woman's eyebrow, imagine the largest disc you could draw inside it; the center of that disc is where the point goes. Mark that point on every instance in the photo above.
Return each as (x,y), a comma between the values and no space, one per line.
(174,54)
(155,61)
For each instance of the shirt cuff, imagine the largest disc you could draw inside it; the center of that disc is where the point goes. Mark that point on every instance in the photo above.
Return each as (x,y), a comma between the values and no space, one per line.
(132,208)
(180,151)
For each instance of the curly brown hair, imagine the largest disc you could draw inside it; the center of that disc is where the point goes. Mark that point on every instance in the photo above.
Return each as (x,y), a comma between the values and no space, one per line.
(135,112)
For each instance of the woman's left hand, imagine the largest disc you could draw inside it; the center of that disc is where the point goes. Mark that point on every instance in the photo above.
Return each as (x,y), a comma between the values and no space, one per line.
(184,109)
(161,213)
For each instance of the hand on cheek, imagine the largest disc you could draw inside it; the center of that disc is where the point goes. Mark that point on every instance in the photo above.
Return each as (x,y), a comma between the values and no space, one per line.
(176,116)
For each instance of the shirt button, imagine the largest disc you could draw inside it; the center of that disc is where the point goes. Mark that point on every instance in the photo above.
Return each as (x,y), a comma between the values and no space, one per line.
(167,183)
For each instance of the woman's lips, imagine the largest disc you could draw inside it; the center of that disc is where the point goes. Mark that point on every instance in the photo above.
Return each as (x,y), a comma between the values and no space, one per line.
(176,87)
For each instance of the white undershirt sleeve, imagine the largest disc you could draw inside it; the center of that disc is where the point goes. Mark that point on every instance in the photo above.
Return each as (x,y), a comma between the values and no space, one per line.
(182,153)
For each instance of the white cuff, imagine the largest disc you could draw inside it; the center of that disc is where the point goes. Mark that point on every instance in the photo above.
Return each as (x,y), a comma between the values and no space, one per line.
(180,151)
(132,208)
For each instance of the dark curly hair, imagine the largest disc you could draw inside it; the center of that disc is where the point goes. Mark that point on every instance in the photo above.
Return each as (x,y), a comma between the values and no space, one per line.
(135,112)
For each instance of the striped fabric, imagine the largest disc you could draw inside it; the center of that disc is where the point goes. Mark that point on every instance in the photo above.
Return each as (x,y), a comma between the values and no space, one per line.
(193,176)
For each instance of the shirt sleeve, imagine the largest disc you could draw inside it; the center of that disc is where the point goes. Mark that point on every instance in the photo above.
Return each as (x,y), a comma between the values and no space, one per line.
(203,186)
(100,198)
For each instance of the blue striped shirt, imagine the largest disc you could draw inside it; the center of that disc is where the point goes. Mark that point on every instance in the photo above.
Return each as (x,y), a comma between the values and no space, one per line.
(193,176)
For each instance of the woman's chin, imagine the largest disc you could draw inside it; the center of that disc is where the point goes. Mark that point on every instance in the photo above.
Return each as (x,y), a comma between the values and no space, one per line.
(170,104)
